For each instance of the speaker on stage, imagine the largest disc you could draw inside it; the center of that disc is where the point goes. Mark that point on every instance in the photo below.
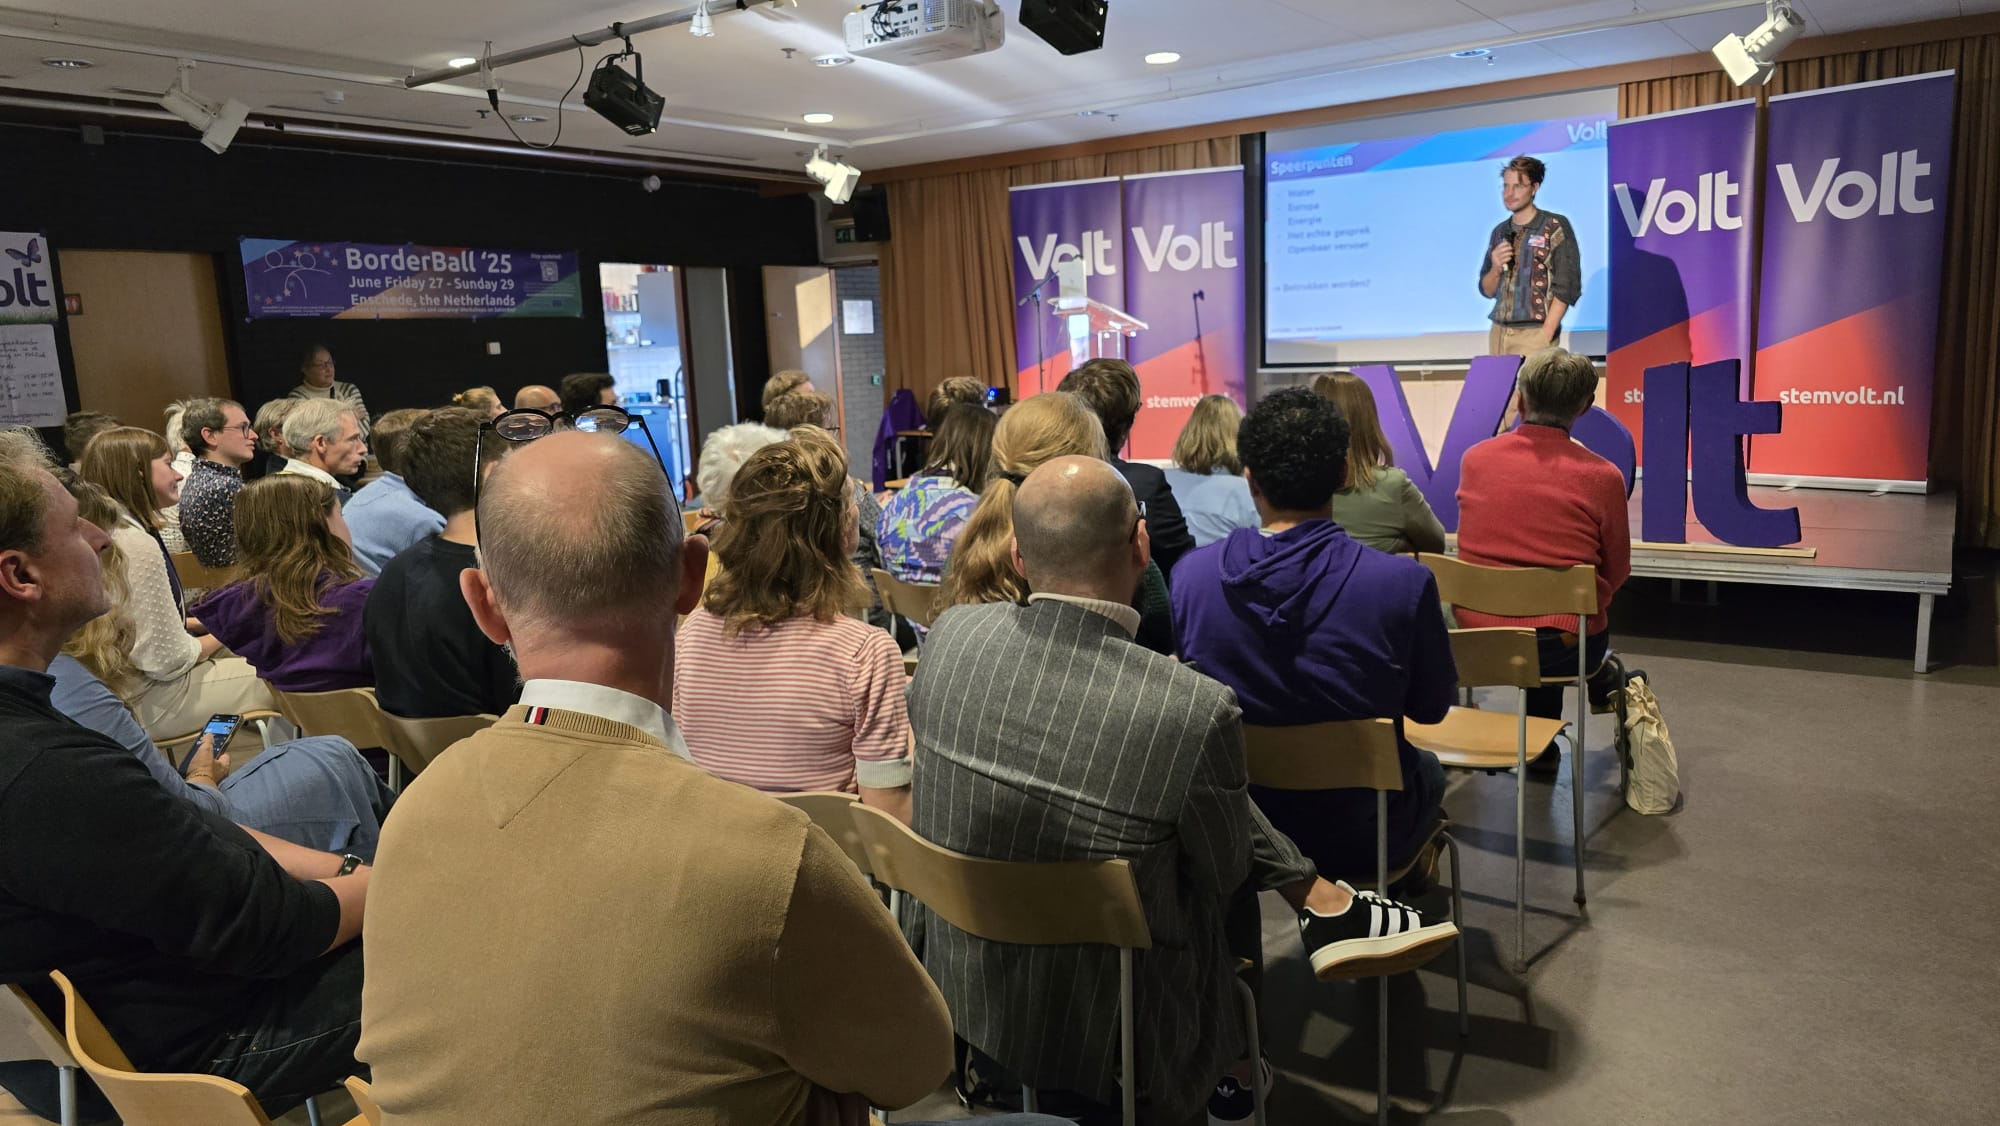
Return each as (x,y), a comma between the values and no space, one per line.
(1070,26)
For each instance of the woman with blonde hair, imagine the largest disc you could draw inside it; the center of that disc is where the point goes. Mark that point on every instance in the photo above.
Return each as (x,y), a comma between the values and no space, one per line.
(1379,506)
(485,400)
(181,678)
(775,626)
(296,613)
(981,569)
(1207,476)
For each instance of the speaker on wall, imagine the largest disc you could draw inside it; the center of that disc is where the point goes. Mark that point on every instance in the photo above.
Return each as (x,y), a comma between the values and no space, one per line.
(1070,26)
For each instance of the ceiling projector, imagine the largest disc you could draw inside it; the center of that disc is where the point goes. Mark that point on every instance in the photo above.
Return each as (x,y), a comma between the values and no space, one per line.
(915,32)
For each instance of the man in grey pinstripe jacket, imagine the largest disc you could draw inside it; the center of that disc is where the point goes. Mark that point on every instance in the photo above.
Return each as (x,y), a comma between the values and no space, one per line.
(1044,733)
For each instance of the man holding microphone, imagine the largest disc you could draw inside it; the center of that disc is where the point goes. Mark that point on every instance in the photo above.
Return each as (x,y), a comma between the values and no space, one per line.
(1532,269)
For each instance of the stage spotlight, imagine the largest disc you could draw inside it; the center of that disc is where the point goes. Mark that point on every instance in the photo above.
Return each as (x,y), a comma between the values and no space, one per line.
(218,124)
(621,98)
(1753,58)
(837,176)
(1070,26)
(701,26)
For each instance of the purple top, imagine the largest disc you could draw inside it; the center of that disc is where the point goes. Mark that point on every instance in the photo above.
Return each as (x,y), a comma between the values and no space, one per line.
(334,657)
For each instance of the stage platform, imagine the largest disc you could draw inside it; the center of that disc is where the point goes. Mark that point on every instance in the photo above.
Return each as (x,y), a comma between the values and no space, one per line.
(1898,542)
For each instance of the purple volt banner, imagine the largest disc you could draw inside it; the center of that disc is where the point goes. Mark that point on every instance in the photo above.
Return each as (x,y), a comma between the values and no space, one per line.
(1184,281)
(1681,193)
(1061,231)
(369,281)
(1854,219)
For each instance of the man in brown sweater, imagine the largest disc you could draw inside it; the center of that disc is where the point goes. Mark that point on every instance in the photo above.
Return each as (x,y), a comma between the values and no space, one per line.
(570,921)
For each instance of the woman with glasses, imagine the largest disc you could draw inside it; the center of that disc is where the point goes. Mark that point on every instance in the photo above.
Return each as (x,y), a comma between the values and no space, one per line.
(296,613)
(775,627)
(981,569)
(172,678)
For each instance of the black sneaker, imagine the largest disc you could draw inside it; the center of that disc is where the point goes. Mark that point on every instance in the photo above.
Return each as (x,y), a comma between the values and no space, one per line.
(1374,937)
(1230,1103)
(1548,763)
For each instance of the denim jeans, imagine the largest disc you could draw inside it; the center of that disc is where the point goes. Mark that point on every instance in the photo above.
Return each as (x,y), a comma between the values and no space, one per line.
(317,792)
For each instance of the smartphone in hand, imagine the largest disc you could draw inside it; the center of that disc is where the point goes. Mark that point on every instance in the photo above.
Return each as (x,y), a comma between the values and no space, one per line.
(220,729)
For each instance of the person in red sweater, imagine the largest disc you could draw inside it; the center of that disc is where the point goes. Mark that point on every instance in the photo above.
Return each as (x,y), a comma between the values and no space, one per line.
(1534,498)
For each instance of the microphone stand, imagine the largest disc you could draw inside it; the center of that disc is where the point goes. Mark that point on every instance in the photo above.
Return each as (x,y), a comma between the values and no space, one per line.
(1200,348)
(1041,344)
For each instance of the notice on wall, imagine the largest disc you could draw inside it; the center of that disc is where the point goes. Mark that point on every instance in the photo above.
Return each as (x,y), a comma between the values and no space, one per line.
(31,392)
(857,318)
(370,281)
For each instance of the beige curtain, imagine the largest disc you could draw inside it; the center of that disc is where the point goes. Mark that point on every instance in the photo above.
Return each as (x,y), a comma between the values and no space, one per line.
(1965,410)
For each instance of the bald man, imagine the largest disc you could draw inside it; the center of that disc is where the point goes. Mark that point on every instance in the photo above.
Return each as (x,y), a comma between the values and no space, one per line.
(537,397)
(1044,732)
(570,858)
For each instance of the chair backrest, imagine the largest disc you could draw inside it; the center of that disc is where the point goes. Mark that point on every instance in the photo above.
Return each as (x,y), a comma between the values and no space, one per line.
(418,741)
(364,1101)
(1340,755)
(348,712)
(1049,904)
(151,1099)
(1514,592)
(196,575)
(689,522)
(26,1034)
(915,601)
(1502,656)
(831,811)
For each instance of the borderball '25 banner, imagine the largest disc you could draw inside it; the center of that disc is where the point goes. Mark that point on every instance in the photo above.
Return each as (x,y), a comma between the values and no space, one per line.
(370,281)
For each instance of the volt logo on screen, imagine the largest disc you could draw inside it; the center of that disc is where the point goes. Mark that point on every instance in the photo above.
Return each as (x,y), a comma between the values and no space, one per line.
(1096,254)
(1674,212)
(1184,252)
(1854,193)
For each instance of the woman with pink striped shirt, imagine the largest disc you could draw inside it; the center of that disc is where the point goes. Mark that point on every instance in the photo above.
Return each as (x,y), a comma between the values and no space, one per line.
(775,685)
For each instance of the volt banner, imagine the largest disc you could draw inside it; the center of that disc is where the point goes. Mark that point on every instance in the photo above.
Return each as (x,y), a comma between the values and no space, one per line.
(1184,281)
(369,281)
(1854,218)
(1681,194)
(1067,250)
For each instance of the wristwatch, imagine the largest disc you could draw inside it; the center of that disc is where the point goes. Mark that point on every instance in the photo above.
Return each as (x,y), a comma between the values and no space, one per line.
(348,863)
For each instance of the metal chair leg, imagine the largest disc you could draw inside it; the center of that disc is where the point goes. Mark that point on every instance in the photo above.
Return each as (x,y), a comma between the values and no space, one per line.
(1382,983)
(1256,1050)
(1521,832)
(66,1094)
(395,774)
(1128,1079)
(312,1111)
(1458,920)
(1576,760)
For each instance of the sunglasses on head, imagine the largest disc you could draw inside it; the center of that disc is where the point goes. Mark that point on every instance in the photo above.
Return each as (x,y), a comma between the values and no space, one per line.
(525,424)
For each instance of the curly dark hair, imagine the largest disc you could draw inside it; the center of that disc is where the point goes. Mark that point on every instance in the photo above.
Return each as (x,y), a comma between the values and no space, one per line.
(1294,445)
(1530,169)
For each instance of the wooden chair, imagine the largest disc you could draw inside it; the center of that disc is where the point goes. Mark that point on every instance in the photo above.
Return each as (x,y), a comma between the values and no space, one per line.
(1052,904)
(413,743)
(364,1101)
(150,1098)
(1471,739)
(1355,755)
(833,812)
(915,601)
(1532,592)
(350,713)
(196,575)
(26,1034)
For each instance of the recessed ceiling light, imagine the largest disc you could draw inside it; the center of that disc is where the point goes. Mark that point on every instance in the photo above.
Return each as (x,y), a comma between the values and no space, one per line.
(1471,53)
(462,60)
(818,118)
(69,64)
(831,60)
(1089,112)
(1163,58)
(529,118)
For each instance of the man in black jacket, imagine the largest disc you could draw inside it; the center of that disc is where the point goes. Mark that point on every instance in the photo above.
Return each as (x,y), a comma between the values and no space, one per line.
(202,946)
(1110,388)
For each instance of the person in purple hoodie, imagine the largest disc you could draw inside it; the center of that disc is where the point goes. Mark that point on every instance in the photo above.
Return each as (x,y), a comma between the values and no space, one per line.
(296,613)
(1309,626)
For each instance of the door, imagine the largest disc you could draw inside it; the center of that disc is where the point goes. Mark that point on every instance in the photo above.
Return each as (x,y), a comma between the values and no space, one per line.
(150,331)
(798,300)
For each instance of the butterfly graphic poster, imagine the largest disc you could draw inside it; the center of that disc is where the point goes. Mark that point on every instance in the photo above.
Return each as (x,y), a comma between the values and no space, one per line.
(27,280)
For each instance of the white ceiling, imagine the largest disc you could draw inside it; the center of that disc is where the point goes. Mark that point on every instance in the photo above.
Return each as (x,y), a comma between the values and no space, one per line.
(737,99)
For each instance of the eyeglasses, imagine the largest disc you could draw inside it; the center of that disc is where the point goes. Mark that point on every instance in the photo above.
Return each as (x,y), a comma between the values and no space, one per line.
(243,428)
(1134,537)
(525,424)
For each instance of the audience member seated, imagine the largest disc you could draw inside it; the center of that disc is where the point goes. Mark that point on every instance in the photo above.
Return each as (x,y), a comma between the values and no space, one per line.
(224,442)
(316,381)
(325,439)
(957,389)
(784,383)
(811,408)
(1379,505)
(1207,477)
(482,399)
(1534,498)
(923,518)
(1110,388)
(586,389)
(182,459)
(538,397)
(576,829)
(384,516)
(721,456)
(1012,775)
(430,658)
(272,452)
(775,626)
(295,615)
(1307,626)
(79,427)
(176,680)
(201,945)
(981,567)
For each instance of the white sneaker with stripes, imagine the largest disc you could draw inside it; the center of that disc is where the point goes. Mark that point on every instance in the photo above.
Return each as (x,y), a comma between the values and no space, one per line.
(1374,937)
